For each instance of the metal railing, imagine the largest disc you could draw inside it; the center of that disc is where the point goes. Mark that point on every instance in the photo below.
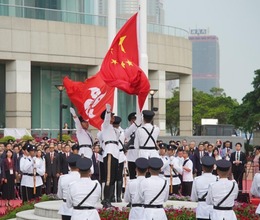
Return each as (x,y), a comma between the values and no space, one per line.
(80,18)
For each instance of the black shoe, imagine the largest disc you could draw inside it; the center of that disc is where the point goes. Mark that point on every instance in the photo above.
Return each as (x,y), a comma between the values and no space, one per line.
(119,199)
(113,199)
(107,204)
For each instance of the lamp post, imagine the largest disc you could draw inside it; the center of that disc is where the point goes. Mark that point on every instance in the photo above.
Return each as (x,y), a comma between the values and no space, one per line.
(152,92)
(60,88)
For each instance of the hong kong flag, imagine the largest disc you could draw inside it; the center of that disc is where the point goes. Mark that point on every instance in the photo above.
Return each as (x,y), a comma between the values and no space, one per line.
(90,97)
(120,67)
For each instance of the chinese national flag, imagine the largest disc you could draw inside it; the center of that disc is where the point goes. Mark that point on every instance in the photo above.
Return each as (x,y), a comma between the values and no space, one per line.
(120,67)
(90,97)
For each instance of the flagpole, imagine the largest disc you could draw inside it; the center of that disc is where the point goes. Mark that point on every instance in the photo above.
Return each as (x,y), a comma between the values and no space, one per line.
(142,33)
(111,33)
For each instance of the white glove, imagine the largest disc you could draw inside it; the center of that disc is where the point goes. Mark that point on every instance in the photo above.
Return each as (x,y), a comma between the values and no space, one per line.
(138,120)
(72,111)
(108,107)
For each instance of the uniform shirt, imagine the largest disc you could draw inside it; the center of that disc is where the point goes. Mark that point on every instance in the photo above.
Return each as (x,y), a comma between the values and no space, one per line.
(255,189)
(84,138)
(199,189)
(132,154)
(77,191)
(28,166)
(121,141)
(148,190)
(132,196)
(62,193)
(216,192)
(140,138)
(187,176)
(25,178)
(167,170)
(109,134)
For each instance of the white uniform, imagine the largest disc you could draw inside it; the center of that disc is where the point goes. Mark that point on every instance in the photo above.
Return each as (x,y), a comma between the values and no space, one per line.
(198,194)
(62,193)
(216,192)
(121,142)
(110,137)
(132,196)
(132,152)
(148,190)
(84,138)
(167,161)
(27,164)
(77,191)
(255,190)
(141,137)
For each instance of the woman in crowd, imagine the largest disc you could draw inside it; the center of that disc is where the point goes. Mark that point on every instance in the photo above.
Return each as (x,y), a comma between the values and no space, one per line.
(217,157)
(8,177)
(256,159)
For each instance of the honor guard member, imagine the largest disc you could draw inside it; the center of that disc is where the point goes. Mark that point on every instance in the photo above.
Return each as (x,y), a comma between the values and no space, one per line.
(63,186)
(171,170)
(131,194)
(83,135)
(33,172)
(110,138)
(121,159)
(24,178)
(255,190)
(200,188)
(146,136)
(84,194)
(132,153)
(154,191)
(222,193)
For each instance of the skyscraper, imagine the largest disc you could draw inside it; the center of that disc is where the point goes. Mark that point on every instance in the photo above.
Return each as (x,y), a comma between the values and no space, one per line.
(126,8)
(205,60)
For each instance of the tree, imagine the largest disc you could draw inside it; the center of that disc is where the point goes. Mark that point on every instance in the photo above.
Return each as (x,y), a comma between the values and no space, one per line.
(215,105)
(246,116)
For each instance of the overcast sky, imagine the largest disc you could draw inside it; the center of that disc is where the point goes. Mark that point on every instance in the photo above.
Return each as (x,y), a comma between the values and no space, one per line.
(237,25)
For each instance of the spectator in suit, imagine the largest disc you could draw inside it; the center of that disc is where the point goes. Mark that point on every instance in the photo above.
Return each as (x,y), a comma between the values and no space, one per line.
(52,163)
(225,152)
(199,153)
(95,156)
(63,159)
(238,160)
(210,150)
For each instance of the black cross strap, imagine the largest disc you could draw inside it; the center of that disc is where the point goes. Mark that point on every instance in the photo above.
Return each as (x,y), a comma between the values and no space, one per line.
(149,137)
(185,162)
(203,197)
(224,199)
(78,206)
(158,193)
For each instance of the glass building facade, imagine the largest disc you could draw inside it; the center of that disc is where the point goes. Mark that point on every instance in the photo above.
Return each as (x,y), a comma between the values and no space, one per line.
(205,62)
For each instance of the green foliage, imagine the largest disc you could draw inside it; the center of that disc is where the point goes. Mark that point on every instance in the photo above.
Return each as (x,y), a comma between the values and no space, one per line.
(6,139)
(65,137)
(27,138)
(246,116)
(216,105)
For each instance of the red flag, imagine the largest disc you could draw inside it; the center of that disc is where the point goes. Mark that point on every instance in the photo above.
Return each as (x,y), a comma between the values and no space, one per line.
(90,97)
(120,68)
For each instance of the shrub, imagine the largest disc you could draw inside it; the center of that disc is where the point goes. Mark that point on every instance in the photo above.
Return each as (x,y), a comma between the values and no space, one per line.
(6,139)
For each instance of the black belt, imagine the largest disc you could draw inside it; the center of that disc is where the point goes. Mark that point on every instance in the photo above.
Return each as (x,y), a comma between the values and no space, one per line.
(153,206)
(170,176)
(31,174)
(201,200)
(83,207)
(85,145)
(222,208)
(121,150)
(147,148)
(137,205)
(64,200)
(132,147)
(111,142)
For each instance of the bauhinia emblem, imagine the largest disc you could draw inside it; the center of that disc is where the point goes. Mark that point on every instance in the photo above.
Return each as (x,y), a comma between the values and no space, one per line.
(90,104)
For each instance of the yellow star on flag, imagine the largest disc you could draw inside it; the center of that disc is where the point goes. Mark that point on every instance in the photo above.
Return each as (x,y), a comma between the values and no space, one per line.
(113,61)
(121,41)
(123,64)
(129,63)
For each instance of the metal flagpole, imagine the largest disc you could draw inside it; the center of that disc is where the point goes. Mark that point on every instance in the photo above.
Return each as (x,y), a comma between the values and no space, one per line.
(142,42)
(111,32)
